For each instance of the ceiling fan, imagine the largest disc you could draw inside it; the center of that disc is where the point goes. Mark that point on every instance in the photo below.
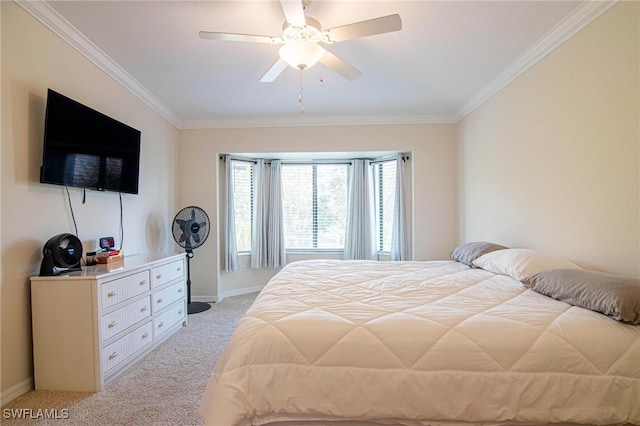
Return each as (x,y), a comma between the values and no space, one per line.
(301,36)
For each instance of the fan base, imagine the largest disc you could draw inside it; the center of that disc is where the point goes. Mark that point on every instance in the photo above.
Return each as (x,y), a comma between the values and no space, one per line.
(197,307)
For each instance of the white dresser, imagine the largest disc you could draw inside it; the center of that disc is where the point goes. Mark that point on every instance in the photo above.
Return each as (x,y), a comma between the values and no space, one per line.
(89,326)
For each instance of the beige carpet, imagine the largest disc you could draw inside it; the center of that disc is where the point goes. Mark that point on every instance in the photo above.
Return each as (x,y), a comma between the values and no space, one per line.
(164,388)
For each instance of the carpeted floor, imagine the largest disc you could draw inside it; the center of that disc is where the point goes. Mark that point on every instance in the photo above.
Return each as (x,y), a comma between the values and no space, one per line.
(164,388)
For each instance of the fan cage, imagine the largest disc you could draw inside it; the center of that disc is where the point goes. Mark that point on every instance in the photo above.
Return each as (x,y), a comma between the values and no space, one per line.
(65,249)
(191,227)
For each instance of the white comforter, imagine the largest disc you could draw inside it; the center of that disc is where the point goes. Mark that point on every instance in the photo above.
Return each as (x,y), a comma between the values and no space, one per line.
(421,343)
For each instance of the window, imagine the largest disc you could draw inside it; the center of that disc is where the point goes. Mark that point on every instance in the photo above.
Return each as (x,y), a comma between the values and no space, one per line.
(315,202)
(243,202)
(315,205)
(384,173)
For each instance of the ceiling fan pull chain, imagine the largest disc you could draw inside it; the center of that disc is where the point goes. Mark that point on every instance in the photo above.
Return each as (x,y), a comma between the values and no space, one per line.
(301,90)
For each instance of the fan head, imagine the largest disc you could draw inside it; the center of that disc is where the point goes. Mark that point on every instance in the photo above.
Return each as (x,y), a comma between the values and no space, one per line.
(65,250)
(190,227)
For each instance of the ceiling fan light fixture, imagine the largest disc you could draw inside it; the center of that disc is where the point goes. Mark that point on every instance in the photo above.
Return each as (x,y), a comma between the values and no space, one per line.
(301,54)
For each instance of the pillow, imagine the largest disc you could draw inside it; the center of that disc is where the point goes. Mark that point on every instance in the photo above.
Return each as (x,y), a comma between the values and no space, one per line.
(612,295)
(520,263)
(468,252)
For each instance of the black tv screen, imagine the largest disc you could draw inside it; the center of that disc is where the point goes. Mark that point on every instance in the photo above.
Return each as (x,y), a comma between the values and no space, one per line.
(86,149)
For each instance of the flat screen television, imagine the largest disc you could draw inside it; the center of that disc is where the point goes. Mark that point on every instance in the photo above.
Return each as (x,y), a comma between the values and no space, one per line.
(84,148)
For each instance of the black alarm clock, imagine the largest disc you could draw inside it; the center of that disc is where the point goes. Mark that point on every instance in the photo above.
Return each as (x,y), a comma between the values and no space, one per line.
(107,243)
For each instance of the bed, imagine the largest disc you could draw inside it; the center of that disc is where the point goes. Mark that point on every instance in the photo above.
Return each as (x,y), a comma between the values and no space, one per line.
(423,343)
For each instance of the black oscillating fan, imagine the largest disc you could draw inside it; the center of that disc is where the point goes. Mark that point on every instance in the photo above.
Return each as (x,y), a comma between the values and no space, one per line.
(190,230)
(62,254)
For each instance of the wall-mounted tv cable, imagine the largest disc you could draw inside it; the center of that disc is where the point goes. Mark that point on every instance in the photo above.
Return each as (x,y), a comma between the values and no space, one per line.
(73,216)
(121,225)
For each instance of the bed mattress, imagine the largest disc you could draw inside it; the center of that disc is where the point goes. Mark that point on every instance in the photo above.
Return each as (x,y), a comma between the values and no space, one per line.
(420,343)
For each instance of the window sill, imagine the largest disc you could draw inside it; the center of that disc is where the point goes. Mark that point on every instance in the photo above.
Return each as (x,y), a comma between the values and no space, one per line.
(314,251)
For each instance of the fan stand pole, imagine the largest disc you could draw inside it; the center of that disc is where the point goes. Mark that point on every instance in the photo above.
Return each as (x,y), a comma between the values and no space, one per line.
(193,307)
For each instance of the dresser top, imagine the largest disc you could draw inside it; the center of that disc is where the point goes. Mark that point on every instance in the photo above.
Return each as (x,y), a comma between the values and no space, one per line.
(131,263)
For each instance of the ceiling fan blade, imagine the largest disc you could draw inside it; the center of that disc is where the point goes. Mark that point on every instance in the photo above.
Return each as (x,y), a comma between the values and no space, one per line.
(239,37)
(294,12)
(273,72)
(384,24)
(338,65)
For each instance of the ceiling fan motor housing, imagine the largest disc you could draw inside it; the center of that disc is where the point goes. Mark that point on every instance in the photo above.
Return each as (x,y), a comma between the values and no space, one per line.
(309,32)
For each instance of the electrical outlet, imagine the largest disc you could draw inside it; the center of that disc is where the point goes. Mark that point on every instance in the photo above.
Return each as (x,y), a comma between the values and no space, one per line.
(242,269)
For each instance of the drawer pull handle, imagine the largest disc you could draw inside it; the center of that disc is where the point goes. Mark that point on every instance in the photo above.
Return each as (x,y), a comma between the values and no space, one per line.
(144,308)
(160,325)
(112,324)
(145,335)
(143,282)
(113,355)
(179,268)
(111,293)
(180,312)
(180,290)
(158,276)
(160,300)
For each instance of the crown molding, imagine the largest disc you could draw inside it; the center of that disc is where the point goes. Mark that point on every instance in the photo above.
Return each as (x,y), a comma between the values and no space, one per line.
(583,15)
(567,28)
(302,121)
(51,19)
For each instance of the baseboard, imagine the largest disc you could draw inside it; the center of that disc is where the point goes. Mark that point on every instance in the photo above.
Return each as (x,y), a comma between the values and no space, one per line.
(15,391)
(205,299)
(225,294)
(241,291)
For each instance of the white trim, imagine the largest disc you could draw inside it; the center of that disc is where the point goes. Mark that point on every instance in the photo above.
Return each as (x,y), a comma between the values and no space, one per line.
(225,294)
(241,291)
(15,391)
(51,19)
(317,121)
(205,299)
(567,28)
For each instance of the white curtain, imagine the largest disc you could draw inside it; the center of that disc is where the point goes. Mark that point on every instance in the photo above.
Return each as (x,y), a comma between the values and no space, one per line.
(231,262)
(399,243)
(267,242)
(360,242)
(260,210)
(276,255)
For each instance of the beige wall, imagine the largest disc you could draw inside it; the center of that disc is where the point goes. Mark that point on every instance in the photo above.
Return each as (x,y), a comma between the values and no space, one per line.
(33,59)
(551,162)
(434,163)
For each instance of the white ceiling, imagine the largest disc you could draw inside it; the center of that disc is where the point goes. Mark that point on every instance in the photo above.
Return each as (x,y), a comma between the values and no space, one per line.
(448,57)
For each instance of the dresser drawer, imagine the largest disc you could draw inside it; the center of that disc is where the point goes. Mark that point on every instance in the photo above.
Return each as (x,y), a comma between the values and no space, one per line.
(167,296)
(166,273)
(117,321)
(163,323)
(121,289)
(118,351)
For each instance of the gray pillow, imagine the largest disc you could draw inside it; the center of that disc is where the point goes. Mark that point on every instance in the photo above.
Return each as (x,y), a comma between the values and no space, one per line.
(612,295)
(466,253)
